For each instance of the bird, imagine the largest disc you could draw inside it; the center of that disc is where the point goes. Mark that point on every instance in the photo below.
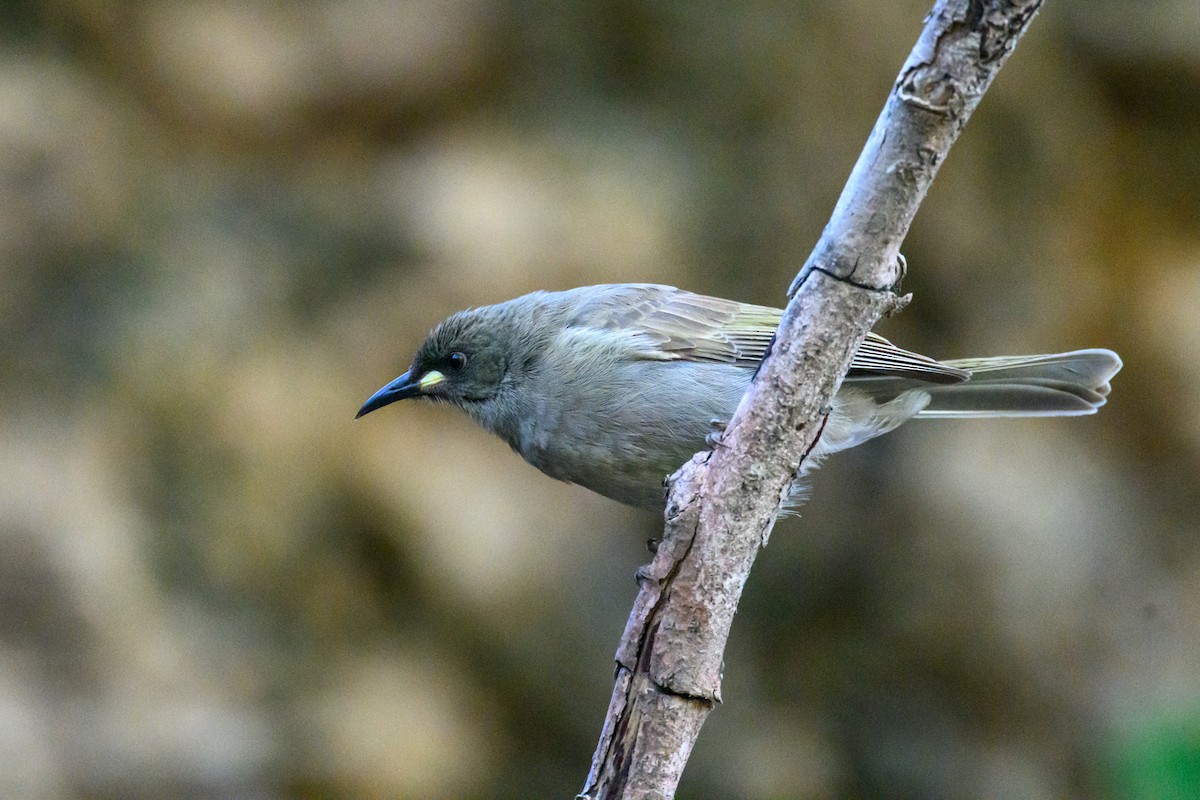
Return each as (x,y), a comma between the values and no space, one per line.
(613,387)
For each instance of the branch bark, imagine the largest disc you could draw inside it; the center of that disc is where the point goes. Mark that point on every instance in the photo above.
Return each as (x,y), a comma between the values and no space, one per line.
(723,504)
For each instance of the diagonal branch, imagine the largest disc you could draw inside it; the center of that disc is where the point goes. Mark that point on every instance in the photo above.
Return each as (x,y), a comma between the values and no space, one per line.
(723,504)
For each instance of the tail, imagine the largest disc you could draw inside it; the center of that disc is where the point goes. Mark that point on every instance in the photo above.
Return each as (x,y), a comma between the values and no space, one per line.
(1059,385)
(874,402)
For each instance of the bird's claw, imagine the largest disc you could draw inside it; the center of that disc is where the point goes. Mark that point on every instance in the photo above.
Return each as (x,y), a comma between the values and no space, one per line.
(713,439)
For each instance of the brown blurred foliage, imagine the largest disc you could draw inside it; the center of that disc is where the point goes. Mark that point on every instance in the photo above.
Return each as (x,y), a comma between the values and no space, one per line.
(222,225)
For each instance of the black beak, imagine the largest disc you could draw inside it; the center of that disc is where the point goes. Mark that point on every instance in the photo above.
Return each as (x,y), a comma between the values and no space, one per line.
(399,389)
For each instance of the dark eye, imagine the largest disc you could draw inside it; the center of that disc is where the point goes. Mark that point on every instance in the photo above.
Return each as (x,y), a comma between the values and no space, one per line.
(456,362)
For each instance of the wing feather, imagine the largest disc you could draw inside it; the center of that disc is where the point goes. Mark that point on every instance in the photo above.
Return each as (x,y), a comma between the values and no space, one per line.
(666,324)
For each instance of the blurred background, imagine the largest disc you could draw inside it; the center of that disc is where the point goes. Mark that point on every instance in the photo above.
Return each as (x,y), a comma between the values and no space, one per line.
(223,225)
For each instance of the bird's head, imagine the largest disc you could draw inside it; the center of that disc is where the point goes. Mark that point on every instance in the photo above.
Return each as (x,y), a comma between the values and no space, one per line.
(463,361)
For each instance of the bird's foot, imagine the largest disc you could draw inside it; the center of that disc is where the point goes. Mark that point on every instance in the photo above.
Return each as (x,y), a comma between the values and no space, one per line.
(713,439)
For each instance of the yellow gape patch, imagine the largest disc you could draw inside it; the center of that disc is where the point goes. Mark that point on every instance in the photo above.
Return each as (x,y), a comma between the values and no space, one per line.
(431,379)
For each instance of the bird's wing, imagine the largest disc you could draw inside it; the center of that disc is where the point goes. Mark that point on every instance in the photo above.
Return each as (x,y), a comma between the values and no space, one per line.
(879,358)
(668,324)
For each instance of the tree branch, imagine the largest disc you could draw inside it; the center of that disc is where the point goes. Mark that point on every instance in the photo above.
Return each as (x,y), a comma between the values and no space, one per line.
(723,504)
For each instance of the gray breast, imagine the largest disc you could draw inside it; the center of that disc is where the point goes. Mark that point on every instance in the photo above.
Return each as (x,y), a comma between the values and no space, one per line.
(619,428)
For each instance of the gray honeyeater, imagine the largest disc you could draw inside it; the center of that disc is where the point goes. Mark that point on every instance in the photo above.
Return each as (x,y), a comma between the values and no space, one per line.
(614,387)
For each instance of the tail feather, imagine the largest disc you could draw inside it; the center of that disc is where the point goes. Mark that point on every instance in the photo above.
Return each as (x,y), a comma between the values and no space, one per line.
(1093,367)
(1058,384)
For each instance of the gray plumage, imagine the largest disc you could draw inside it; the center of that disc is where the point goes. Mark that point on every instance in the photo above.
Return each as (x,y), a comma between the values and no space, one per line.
(613,387)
